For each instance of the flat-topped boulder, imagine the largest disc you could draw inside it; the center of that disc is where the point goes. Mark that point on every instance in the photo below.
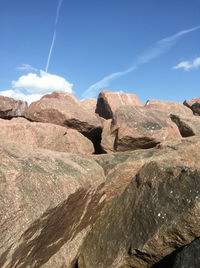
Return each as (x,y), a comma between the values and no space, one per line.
(10,107)
(167,107)
(138,128)
(64,109)
(45,135)
(108,102)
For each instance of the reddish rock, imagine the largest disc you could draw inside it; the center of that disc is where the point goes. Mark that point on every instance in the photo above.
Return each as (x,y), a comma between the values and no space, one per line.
(139,128)
(49,201)
(189,103)
(152,207)
(64,109)
(169,107)
(89,104)
(108,102)
(189,125)
(45,135)
(10,107)
(108,137)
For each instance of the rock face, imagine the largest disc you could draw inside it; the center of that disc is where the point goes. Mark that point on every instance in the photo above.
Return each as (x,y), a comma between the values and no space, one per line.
(138,128)
(189,125)
(45,135)
(190,103)
(137,207)
(169,107)
(63,109)
(49,201)
(10,108)
(89,104)
(108,102)
(152,208)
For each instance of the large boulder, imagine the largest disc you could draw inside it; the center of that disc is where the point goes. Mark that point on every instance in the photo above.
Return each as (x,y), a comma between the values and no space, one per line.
(64,109)
(89,104)
(138,128)
(189,125)
(152,207)
(49,201)
(45,135)
(10,107)
(108,102)
(168,107)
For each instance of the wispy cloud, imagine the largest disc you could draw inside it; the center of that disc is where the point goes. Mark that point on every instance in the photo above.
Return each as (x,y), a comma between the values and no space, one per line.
(187,65)
(160,47)
(27,67)
(54,34)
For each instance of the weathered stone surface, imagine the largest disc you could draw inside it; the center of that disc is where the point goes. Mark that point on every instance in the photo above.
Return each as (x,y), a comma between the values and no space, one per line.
(108,137)
(189,103)
(45,135)
(169,107)
(189,125)
(89,104)
(49,200)
(108,102)
(189,256)
(64,109)
(139,128)
(152,207)
(10,107)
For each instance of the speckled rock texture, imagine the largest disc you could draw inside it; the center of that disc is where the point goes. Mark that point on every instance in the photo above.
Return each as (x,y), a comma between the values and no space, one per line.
(138,128)
(45,135)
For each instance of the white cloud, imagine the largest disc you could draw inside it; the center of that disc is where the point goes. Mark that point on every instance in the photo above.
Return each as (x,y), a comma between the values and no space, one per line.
(187,65)
(32,87)
(42,83)
(18,95)
(27,67)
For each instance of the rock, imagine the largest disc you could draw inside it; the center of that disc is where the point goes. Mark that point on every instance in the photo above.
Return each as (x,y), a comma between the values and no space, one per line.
(49,201)
(189,103)
(139,128)
(45,135)
(63,109)
(10,107)
(189,125)
(89,104)
(194,105)
(108,102)
(169,107)
(108,137)
(152,207)
(188,256)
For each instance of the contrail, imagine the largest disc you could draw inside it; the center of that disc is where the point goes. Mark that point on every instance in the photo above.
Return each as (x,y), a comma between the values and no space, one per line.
(158,49)
(54,35)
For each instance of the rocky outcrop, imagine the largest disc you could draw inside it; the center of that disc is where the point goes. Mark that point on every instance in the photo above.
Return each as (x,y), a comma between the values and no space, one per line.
(108,102)
(189,125)
(169,107)
(136,206)
(89,104)
(138,128)
(49,201)
(10,107)
(152,207)
(63,109)
(45,135)
(194,105)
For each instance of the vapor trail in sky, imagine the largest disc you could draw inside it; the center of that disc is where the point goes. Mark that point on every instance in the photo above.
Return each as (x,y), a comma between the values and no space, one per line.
(54,35)
(158,49)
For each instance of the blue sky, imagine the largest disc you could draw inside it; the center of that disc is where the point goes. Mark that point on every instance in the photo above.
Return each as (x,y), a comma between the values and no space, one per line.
(146,47)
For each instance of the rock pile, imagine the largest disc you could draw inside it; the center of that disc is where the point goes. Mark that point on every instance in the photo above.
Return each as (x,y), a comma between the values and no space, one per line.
(110,183)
